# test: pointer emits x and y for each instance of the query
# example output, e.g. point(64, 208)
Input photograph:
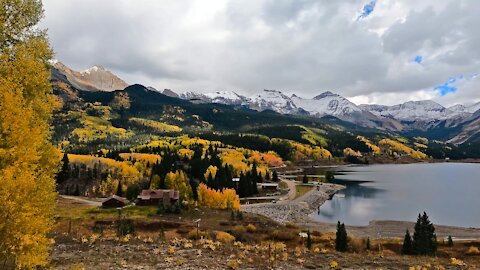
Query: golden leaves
point(222, 199)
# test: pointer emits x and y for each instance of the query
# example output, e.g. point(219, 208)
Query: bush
point(251, 228)
point(472, 250)
point(283, 235)
point(224, 223)
point(125, 227)
point(194, 235)
point(183, 230)
point(357, 245)
point(291, 225)
point(224, 237)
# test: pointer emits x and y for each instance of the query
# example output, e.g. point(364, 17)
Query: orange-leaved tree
point(218, 199)
point(28, 160)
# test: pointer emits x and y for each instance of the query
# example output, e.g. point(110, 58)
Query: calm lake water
point(448, 192)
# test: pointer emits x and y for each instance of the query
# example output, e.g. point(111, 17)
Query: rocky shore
point(297, 210)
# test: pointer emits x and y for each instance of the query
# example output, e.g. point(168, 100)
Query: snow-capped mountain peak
point(273, 100)
point(326, 103)
point(425, 110)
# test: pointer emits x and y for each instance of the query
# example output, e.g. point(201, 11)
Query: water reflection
point(400, 192)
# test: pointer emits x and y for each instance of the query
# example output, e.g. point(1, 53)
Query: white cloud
point(302, 46)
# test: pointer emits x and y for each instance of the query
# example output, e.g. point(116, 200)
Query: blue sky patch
point(445, 89)
point(367, 9)
point(418, 59)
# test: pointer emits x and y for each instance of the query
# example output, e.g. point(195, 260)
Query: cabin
point(158, 196)
point(114, 202)
point(268, 186)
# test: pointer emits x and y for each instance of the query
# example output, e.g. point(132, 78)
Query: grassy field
point(302, 189)
point(86, 238)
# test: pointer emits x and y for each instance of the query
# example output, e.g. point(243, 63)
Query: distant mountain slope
point(228, 109)
point(95, 78)
point(470, 130)
point(425, 110)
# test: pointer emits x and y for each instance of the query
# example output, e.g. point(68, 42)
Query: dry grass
point(472, 250)
point(302, 189)
point(224, 237)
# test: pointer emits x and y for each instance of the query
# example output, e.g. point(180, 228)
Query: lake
point(448, 192)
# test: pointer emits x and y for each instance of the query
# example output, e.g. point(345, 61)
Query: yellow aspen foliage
point(234, 158)
point(150, 158)
point(350, 152)
point(210, 170)
point(179, 181)
point(375, 149)
point(395, 146)
point(108, 187)
point(185, 153)
point(218, 199)
point(28, 160)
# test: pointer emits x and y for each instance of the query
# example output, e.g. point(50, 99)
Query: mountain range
point(457, 124)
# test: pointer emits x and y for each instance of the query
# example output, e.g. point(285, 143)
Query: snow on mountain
point(425, 110)
point(473, 108)
point(326, 103)
point(273, 100)
point(221, 97)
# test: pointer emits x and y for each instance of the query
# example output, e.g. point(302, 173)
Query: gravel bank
point(295, 211)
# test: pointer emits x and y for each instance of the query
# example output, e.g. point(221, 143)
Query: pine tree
point(64, 172)
point(309, 240)
point(119, 189)
point(275, 176)
point(28, 160)
point(424, 237)
point(450, 241)
point(368, 243)
point(407, 248)
point(341, 238)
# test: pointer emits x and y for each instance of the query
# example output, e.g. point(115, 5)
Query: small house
point(158, 196)
point(269, 186)
point(114, 202)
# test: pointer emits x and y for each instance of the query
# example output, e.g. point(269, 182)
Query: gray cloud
point(297, 46)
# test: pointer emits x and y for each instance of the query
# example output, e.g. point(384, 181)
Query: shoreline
point(298, 211)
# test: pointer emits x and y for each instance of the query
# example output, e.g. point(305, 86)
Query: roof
point(268, 184)
point(117, 198)
point(148, 194)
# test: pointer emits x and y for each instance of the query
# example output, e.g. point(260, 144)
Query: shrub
point(183, 230)
point(224, 237)
point(357, 244)
point(232, 264)
point(194, 235)
point(472, 250)
point(251, 228)
point(224, 223)
point(283, 235)
point(125, 227)
point(291, 225)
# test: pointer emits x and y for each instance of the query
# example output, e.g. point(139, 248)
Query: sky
point(374, 51)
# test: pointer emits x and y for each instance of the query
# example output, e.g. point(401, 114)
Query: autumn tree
point(179, 181)
point(28, 161)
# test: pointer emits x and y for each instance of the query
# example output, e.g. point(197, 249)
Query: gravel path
point(295, 210)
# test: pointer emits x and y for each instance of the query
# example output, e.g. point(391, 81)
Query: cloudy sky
point(384, 51)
